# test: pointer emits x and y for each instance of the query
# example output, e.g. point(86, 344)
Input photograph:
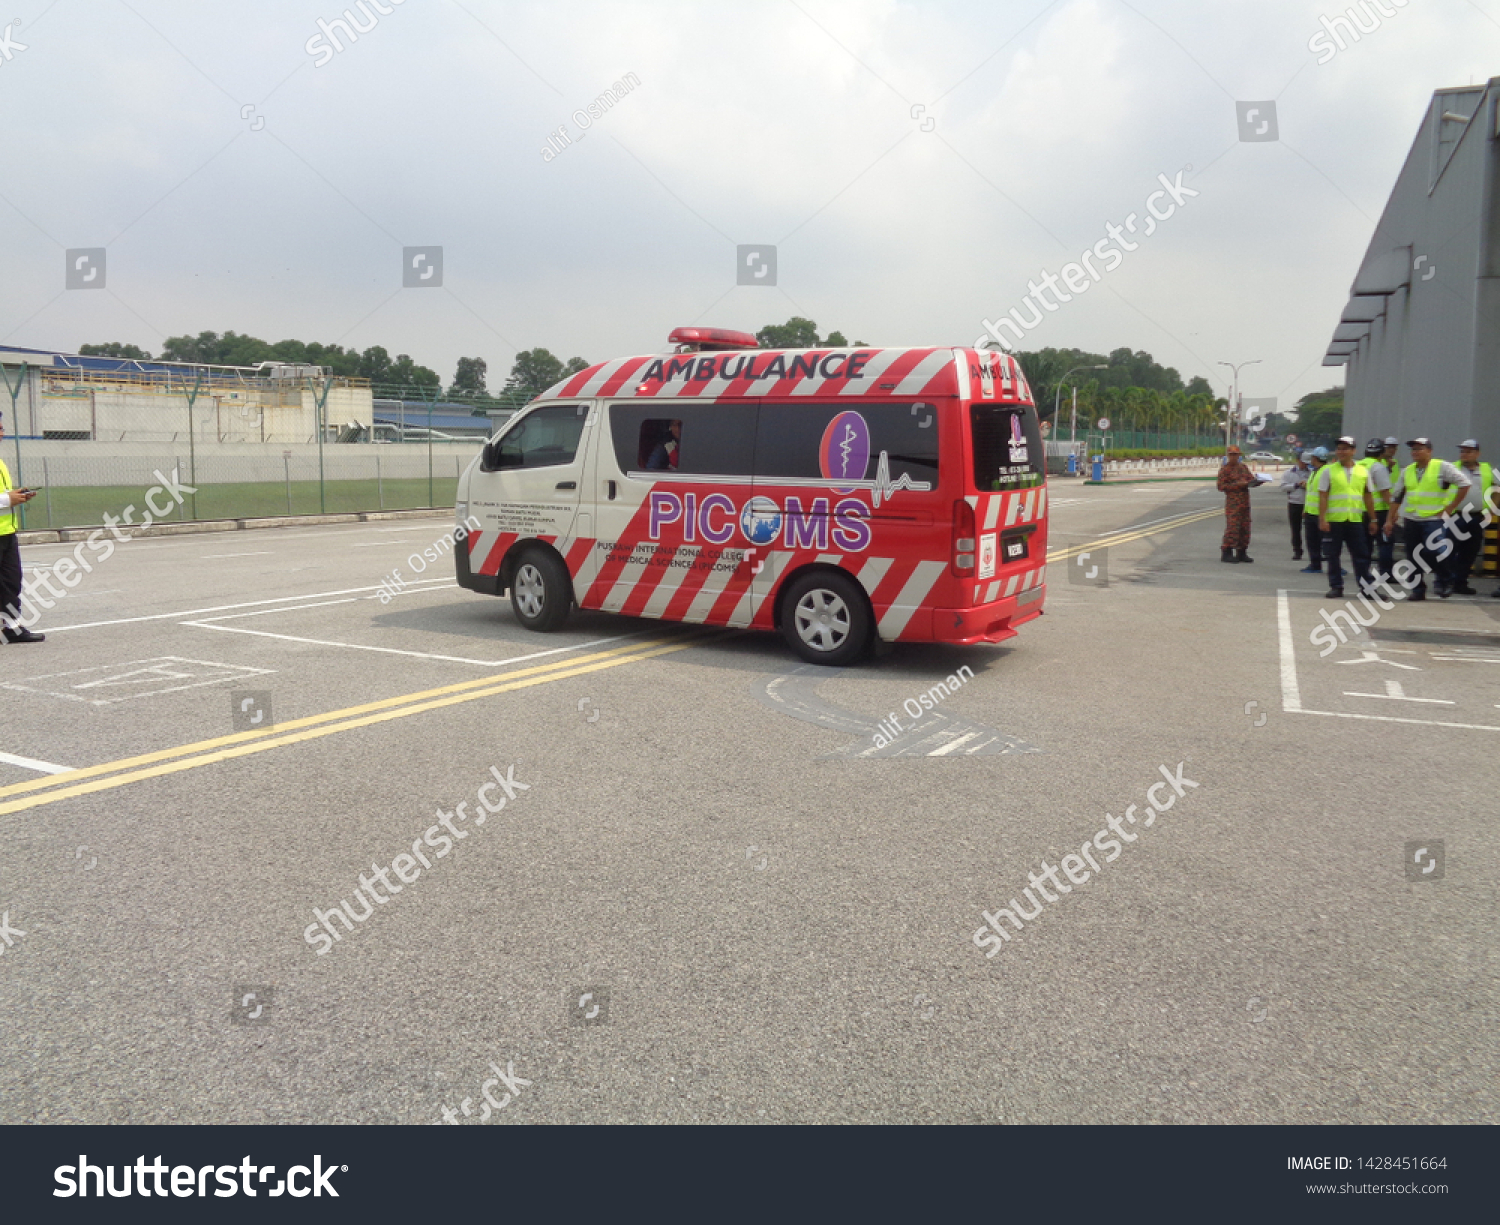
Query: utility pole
point(1057, 399)
point(1231, 414)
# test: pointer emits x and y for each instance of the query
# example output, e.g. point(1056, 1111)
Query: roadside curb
point(1148, 480)
point(66, 535)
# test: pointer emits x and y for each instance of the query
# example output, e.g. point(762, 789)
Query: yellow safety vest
point(1424, 498)
point(1310, 507)
point(1382, 501)
point(7, 513)
point(1346, 493)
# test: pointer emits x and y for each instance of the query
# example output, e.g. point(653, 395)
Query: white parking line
point(31, 763)
point(194, 612)
point(359, 646)
point(1291, 695)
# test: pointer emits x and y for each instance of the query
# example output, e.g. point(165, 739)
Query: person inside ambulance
point(665, 455)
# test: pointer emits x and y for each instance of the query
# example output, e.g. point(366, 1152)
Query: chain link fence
point(78, 483)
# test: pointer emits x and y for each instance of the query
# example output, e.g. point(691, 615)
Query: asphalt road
point(769, 922)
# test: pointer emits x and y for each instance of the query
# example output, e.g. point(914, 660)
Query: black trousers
point(1465, 552)
point(1294, 516)
point(1314, 537)
point(10, 577)
point(1356, 536)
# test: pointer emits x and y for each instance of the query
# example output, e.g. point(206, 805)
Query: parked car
point(1268, 457)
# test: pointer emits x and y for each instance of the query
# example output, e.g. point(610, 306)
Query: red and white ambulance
point(838, 495)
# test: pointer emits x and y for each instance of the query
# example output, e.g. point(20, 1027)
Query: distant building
point(1421, 333)
point(69, 397)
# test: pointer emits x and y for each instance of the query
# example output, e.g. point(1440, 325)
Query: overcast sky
point(914, 164)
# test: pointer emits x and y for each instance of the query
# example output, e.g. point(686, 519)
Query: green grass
point(83, 505)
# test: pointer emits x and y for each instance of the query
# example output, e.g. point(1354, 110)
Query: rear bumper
point(993, 622)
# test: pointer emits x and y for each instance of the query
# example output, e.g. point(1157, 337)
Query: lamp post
point(1234, 397)
point(1057, 400)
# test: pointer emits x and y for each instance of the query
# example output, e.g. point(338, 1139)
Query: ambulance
point(843, 497)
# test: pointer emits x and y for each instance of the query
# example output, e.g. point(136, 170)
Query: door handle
point(611, 487)
point(567, 484)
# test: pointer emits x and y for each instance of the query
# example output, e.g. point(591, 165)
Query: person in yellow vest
point(10, 556)
point(1421, 497)
point(1468, 529)
point(1346, 516)
point(1380, 482)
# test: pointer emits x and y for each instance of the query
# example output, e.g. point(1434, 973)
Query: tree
point(114, 349)
point(534, 371)
point(795, 333)
point(1321, 414)
point(406, 373)
point(469, 378)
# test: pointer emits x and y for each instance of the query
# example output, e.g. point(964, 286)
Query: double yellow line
point(1125, 537)
point(128, 770)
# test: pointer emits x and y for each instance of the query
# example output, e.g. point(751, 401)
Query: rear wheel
point(825, 619)
point(541, 591)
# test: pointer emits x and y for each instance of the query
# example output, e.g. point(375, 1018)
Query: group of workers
point(1437, 509)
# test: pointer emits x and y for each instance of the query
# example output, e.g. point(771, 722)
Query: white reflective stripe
point(831, 559)
point(992, 513)
point(921, 374)
point(871, 372)
point(961, 365)
point(671, 580)
point(1010, 585)
point(993, 592)
point(900, 613)
point(1026, 506)
point(625, 584)
point(1007, 376)
point(708, 594)
point(873, 571)
point(477, 555)
point(1015, 509)
point(809, 384)
point(1041, 503)
point(606, 372)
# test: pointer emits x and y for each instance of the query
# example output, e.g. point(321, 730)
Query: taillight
point(963, 539)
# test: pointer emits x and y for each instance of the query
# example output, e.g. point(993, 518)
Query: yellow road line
point(1125, 537)
point(73, 776)
point(70, 784)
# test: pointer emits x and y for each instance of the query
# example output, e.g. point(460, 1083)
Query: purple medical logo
point(844, 453)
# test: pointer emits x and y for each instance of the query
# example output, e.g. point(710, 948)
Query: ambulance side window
point(545, 438)
point(795, 439)
point(713, 439)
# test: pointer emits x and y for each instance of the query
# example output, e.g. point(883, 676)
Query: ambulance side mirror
point(489, 458)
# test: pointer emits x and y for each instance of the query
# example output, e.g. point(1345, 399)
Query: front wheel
point(541, 591)
point(826, 620)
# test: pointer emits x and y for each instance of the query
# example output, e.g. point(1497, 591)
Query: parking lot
point(709, 894)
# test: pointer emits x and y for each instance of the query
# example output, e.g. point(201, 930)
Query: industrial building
point(69, 397)
point(1420, 336)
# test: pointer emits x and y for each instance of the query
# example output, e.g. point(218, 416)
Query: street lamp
point(1057, 400)
point(1234, 397)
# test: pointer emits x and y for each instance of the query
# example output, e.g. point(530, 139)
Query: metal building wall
point(1431, 363)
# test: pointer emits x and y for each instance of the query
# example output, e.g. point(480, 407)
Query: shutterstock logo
point(188, 1182)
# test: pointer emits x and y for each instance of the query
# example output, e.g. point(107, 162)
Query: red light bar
point(713, 338)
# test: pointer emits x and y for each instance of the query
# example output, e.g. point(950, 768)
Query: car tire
point(826, 619)
point(541, 592)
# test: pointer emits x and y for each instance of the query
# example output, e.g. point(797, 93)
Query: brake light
point(963, 538)
point(713, 338)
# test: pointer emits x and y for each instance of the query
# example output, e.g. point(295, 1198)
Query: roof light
point(713, 338)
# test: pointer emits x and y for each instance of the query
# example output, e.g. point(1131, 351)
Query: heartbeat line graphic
point(884, 487)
